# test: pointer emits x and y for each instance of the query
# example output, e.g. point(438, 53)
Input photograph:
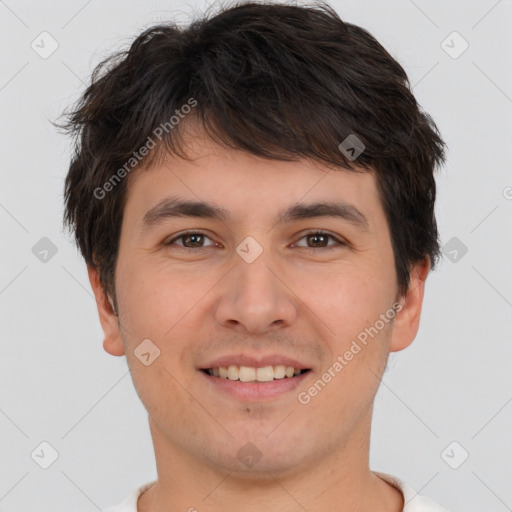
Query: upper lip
point(255, 361)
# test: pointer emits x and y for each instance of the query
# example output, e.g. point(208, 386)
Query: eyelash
point(338, 244)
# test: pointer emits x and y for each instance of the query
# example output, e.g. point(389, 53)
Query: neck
point(339, 479)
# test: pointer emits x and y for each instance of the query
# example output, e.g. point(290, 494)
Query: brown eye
point(320, 240)
point(191, 240)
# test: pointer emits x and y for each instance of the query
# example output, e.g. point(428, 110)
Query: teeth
point(279, 371)
point(232, 372)
point(265, 374)
point(250, 374)
point(246, 374)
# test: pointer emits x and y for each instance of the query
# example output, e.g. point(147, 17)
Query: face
point(254, 287)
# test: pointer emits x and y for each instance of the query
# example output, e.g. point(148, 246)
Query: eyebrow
point(174, 207)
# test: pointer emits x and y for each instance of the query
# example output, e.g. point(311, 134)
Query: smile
point(255, 384)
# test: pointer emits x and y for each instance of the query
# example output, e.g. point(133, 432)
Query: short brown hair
point(279, 81)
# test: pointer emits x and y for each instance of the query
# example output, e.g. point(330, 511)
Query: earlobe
point(112, 342)
point(407, 320)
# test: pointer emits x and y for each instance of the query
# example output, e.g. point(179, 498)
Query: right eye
point(190, 237)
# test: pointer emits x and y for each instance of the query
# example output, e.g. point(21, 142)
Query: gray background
point(452, 384)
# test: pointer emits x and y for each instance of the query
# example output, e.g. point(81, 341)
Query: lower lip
point(256, 390)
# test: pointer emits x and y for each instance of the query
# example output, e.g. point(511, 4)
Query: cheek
point(349, 305)
point(156, 299)
point(348, 300)
point(157, 303)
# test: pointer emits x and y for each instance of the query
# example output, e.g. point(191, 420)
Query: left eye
point(321, 237)
point(193, 240)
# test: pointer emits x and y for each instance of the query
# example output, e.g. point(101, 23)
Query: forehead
point(244, 185)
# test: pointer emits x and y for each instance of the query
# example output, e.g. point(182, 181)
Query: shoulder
point(413, 502)
point(129, 504)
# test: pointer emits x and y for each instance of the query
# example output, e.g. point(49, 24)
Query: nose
point(255, 298)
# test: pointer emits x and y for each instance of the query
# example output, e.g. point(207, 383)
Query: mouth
point(254, 383)
point(252, 374)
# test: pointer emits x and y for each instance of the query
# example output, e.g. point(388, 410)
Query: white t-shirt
point(413, 502)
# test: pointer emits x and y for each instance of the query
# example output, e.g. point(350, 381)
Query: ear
point(407, 320)
point(112, 342)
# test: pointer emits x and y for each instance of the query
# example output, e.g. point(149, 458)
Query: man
point(254, 199)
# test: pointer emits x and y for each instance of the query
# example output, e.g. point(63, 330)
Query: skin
point(305, 303)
